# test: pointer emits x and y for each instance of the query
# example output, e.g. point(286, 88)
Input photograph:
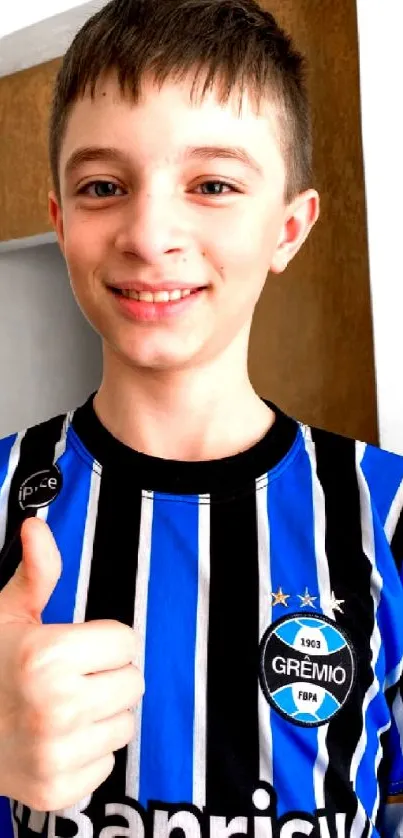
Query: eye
point(104, 189)
point(219, 184)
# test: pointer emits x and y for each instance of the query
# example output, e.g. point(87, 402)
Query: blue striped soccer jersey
point(267, 592)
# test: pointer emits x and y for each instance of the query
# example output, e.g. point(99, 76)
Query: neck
point(196, 414)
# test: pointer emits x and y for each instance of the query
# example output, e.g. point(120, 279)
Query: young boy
point(247, 567)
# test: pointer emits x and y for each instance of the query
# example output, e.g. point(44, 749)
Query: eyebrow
point(108, 154)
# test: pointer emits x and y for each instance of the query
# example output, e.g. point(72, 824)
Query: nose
point(152, 224)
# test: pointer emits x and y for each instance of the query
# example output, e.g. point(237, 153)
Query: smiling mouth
point(158, 296)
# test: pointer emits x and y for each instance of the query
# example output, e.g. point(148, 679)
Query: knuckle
point(29, 652)
point(125, 730)
point(39, 765)
point(139, 685)
point(46, 720)
point(38, 665)
point(60, 718)
point(47, 763)
point(35, 722)
point(46, 797)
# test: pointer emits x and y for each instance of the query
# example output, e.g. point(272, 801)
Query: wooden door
point(312, 346)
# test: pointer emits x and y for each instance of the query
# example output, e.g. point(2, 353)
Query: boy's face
point(159, 219)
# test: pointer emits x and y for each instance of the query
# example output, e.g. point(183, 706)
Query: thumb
point(27, 593)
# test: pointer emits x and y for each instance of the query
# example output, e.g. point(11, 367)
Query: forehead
point(166, 119)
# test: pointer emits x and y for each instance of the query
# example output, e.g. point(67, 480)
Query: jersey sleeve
point(384, 474)
point(8, 453)
point(393, 814)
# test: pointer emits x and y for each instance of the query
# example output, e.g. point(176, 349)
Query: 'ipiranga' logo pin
point(41, 488)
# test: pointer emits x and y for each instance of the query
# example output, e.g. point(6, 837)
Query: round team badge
point(307, 668)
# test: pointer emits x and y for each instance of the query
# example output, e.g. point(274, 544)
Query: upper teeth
point(158, 297)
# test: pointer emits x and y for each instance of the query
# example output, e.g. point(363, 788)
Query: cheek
point(248, 239)
point(82, 252)
point(244, 261)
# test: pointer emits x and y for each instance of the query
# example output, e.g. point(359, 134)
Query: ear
point(300, 216)
point(56, 218)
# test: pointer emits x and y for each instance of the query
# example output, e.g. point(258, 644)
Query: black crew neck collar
point(223, 476)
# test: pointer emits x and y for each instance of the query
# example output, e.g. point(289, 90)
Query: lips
point(159, 297)
point(164, 292)
point(146, 307)
point(154, 288)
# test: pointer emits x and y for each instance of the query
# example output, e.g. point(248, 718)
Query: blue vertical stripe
point(5, 451)
point(6, 827)
point(384, 473)
point(293, 569)
point(166, 760)
point(395, 781)
point(66, 518)
point(390, 622)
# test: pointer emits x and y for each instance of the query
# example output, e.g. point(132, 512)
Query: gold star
point(280, 599)
point(307, 599)
point(336, 603)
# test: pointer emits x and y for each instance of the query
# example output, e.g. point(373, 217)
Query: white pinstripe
point(140, 621)
point(200, 712)
point(265, 618)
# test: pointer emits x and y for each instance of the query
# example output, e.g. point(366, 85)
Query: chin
point(159, 365)
point(158, 360)
point(142, 349)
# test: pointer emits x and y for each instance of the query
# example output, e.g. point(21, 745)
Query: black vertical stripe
point(396, 545)
point(350, 573)
point(111, 594)
point(232, 683)
point(37, 453)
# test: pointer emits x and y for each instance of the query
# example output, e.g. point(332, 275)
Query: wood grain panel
point(312, 343)
point(25, 180)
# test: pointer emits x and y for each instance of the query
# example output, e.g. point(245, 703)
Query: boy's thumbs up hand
point(66, 691)
point(29, 590)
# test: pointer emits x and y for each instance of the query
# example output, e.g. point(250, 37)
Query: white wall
point(28, 36)
point(18, 15)
point(380, 30)
point(50, 358)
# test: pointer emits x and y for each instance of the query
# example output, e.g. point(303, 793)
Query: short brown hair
point(236, 44)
